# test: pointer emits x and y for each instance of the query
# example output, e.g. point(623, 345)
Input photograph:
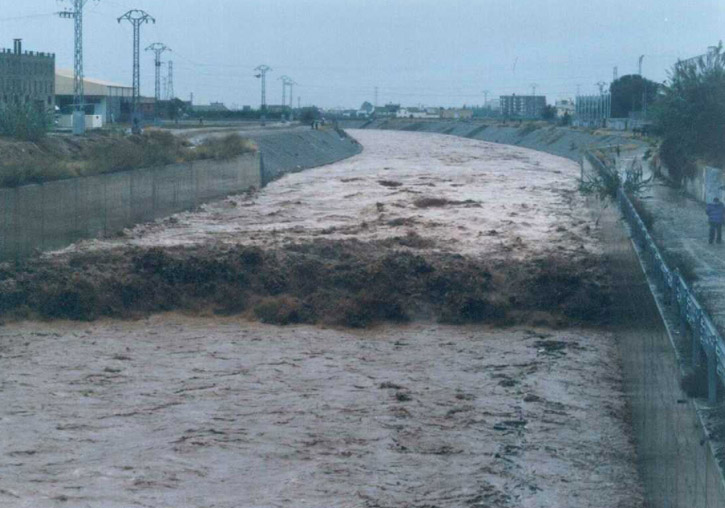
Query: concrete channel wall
point(676, 446)
point(677, 449)
point(568, 143)
point(56, 214)
point(302, 148)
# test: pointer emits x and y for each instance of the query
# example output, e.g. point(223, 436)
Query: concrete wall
point(706, 184)
point(677, 457)
point(56, 214)
point(302, 148)
point(559, 141)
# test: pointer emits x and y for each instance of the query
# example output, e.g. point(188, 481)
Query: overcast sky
point(431, 52)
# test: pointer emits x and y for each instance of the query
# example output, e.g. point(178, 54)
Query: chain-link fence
point(657, 321)
point(56, 214)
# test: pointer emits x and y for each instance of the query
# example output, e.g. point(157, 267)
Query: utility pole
point(533, 102)
point(485, 98)
point(136, 18)
point(170, 94)
point(285, 82)
point(644, 91)
point(615, 74)
point(291, 83)
point(263, 70)
point(79, 115)
point(376, 97)
point(600, 106)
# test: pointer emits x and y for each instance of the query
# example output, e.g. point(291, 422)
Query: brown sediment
point(341, 282)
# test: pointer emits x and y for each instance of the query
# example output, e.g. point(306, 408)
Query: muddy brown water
point(180, 410)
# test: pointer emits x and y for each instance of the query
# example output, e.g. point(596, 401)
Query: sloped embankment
point(560, 141)
point(298, 149)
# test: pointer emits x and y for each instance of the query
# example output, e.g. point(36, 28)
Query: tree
point(24, 121)
point(308, 114)
point(689, 114)
point(548, 113)
point(628, 92)
point(175, 108)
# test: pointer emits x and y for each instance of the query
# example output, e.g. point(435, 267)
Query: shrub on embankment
point(689, 114)
point(62, 157)
point(346, 283)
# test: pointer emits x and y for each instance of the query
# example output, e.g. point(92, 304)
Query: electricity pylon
point(136, 18)
point(263, 70)
point(79, 116)
point(158, 49)
point(170, 94)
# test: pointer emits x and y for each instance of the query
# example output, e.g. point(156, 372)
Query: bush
point(678, 157)
point(225, 148)
point(689, 114)
point(24, 121)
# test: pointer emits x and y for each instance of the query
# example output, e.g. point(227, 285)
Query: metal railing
point(693, 319)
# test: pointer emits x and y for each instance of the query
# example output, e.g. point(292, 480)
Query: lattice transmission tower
point(76, 14)
point(262, 74)
point(170, 94)
point(158, 49)
point(137, 18)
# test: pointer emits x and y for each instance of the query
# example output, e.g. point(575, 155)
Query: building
point(112, 102)
point(411, 113)
point(593, 110)
point(27, 77)
point(219, 107)
point(456, 114)
point(564, 107)
point(522, 106)
point(387, 111)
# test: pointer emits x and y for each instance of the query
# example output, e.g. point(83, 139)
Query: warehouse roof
point(91, 86)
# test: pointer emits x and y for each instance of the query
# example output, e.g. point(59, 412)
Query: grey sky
point(432, 52)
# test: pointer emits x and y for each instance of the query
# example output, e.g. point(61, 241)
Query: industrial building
point(102, 98)
point(110, 102)
point(27, 77)
point(522, 106)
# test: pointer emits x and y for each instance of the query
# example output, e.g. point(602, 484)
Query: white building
point(104, 99)
point(565, 106)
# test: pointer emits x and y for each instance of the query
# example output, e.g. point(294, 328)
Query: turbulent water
point(502, 200)
point(194, 411)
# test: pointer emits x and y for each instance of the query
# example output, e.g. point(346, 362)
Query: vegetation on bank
point(24, 122)
point(689, 114)
point(62, 157)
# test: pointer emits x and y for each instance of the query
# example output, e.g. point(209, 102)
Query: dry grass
point(63, 157)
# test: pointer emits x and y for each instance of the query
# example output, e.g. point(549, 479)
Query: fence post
point(712, 375)
point(262, 178)
point(696, 341)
